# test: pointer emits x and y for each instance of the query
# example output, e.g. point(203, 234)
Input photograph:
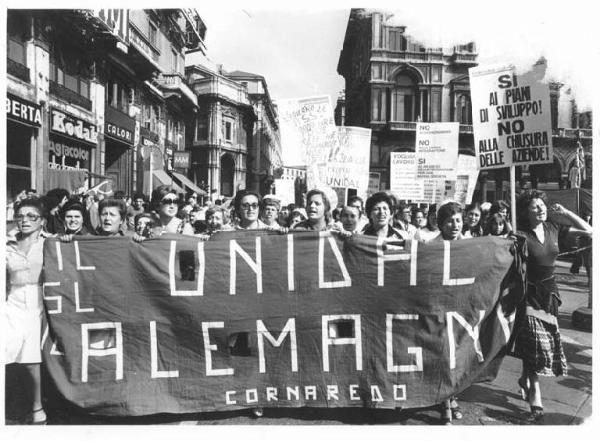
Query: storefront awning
point(164, 179)
point(189, 184)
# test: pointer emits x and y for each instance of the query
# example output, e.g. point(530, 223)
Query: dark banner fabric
point(178, 325)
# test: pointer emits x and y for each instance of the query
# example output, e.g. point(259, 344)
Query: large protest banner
point(180, 325)
point(403, 176)
point(511, 116)
point(348, 163)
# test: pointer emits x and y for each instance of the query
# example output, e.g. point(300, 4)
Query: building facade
point(393, 81)
point(220, 134)
point(88, 89)
point(264, 158)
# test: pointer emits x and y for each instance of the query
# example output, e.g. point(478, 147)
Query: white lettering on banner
point(417, 351)
point(473, 332)
point(332, 392)
point(78, 260)
point(23, 111)
point(155, 373)
point(255, 266)
point(397, 388)
point(59, 260)
point(310, 392)
point(329, 392)
point(338, 257)
point(228, 399)
point(57, 299)
point(73, 126)
point(327, 341)
point(382, 258)
point(290, 261)
point(78, 307)
point(209, 348)
point(262, 331)
point(272, 394)
point(199, 274)
point(87, 351)
point(446, 277)
point(251, 396)
point(504, 321)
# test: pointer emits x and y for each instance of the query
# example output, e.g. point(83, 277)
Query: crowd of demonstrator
point(63, 215)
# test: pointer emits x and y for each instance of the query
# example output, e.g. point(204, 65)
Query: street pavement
point(567, 400)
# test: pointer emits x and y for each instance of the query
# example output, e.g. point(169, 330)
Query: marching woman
point(379, 209)
point(165, 204)
point(431, 229)
point(472, 225)
point(537, 339)
point(450, 224)
point(246, 206)
point(497, 225)
point(23, 312)
point(318, 210)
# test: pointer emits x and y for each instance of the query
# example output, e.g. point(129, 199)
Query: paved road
point(567, 400)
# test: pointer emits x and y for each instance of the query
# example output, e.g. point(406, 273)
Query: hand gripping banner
point(178, 325)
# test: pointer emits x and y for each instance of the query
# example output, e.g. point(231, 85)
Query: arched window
point(404, 99)
point(463, 110)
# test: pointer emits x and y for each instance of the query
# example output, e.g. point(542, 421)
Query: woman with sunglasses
point(24, 308)
point(247, 208)
point(165, 203)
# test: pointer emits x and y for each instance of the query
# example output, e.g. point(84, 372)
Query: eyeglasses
point(30, 217)
point(252, 206)
point(168, 201)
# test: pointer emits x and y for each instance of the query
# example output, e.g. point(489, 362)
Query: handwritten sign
point(403, 176)
point(511, 117)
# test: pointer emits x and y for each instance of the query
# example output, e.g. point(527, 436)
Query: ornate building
point(393, 81)
point(98, 85)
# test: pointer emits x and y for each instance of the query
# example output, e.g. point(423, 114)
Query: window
point(152, 34)
point(16, 51)
point(174, 61)
point(397, 41)
point(436, 106)
point(404, 99)
point(67, 77)
point(463, 111)
point(378, 105)
point(376, 69)
point(436, 74)
point(227, 130)
point(117, 95)
point(201, 128)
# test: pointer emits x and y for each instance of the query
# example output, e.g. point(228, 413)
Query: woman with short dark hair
point(537, 342)
point(165, 204)
point(379, 209)
point(246, 206)
point(74, 217)
point(112, 214)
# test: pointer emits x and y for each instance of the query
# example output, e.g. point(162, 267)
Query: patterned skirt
point(538, 344)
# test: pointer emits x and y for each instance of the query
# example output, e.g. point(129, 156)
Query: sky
point(297, 48)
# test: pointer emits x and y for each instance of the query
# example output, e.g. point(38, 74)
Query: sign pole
point(513, 198)
point(151, 172)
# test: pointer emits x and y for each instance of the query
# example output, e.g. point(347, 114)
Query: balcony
point(18, 70)
point(173, 84)
point(572, 133)
point(464, 58)
point(407, 56)
point(223, 88)
point(72, 97)
point(402, 126)
point(465, 128)
point(145, 56)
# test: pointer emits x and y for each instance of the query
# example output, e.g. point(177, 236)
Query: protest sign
point(348, 163)
point(179, 325)
point(374, 182)
point(511, 116)
point(285, 191)
point(467, 173)
point(436, 148)
point(308, 134)
point(403, 176)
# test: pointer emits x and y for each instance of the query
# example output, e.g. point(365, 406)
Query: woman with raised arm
point(24, 308)
point(537, 339)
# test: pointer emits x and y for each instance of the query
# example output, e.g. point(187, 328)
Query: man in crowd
point(136, 207)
